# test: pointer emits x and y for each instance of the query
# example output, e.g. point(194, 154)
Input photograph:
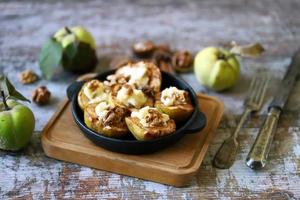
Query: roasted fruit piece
point(106, 120)
point(92, 91)
point(148, 123)
point(127, 96)
point(143, 75)
point(175, 103)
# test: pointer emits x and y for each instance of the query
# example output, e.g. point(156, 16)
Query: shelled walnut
point(182, 61)
point(162, 58)
point(143, 49)
point(41, 95)
point(27, 77)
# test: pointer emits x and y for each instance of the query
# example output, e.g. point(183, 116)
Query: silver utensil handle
point(258, 154)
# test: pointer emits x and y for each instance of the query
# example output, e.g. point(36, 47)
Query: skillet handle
point(73, 88)
point(198, 123)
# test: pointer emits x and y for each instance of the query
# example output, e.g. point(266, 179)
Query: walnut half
point(41, 95)
point(27, 77)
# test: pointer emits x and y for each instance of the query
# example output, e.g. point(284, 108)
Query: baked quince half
point(148, 123)
point(106, 119)
point(143, 75)
point(128, 96)
point(175, 103)
point(93, 91)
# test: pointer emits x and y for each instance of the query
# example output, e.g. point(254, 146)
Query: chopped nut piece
point(182, 61)
point(27, 77)
point(115, 79)
point(150, 117)
point(110, 115)
point(41, 95)
point(115, 116)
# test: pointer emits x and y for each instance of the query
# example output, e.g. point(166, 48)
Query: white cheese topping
point(94, 90)
point(130, 96)
point(172, 96)
point(101, 109)
point(144, 113)
point(137, 74)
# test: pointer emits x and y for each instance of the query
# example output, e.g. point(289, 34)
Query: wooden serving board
point(175, 165)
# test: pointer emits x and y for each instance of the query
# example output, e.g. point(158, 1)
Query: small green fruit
point(66, 36)
point(78, 49)
point(216, 68)
point(16, 126)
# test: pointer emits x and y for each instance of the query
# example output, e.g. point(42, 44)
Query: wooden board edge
point(158, 175)
point(53, 119)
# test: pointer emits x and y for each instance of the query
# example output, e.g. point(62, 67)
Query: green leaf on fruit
point(50, 57)
point(71, 50)
point(250, 50)
point(9, 90)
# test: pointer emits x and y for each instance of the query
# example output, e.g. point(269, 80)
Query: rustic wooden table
point(188, 24)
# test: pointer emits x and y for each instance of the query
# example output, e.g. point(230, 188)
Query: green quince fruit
point(16, 126)
point(79, 49)
point(74, 49)
point(216, 68)
point(67, 36)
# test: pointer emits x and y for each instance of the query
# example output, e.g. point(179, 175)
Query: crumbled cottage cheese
point(137, 74)
point(102, 109)
point(95, 91)
point(131, 96)
point(172, 96)
point(150, 117)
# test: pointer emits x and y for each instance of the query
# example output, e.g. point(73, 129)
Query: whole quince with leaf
point(74, 49)
point(219, 68)
point(16, 120)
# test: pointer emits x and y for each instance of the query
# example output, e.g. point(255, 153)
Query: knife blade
point(287, 83)
point(257, 157)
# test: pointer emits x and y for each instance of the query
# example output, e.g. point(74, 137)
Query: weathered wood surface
point(184, 24)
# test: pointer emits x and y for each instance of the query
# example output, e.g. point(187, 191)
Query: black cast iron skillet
point(130, 145)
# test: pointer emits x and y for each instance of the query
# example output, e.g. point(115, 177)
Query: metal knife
point(257, 157)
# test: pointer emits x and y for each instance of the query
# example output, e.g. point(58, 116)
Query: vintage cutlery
point(225, 156)
point(258, 154)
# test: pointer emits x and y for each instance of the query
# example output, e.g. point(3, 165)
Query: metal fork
point(225, 156)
